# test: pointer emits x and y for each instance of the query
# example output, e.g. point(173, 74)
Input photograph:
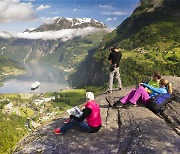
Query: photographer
point(114, 59)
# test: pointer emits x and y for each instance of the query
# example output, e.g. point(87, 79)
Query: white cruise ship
point(35, 85)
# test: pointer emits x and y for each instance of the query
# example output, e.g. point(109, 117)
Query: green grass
point(12, 130)
point(13, 126)
point(26, 112)
point(9, 95)
point(68, 98)
point(75, 92)
point(62, 105)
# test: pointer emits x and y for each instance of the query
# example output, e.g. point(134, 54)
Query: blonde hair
point(167, 85)
point(169, 88)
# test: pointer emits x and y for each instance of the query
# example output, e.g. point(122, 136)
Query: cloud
point(64, 34)
point(42, 7)
point(106, 6)
point(120, 13)
point(111, 19)
point(14, 10)
point(5, 35)
point(75, 10)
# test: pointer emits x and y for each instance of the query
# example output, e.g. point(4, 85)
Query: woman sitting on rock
point(91, 113)
point(154, 81)
point(141, 92)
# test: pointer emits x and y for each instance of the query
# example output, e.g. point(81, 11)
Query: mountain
point(149, 40)
point(65, 43)
point(69, 23)
point(9, 67)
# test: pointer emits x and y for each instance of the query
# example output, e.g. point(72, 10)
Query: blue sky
point(18, 15)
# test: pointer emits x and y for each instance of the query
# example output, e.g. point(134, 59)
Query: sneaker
point(66, 121)
point(120, 105)
point(109, 91)
point(133, 105)
point(116, 103)
point(57, 131)
point(110, 101)
point(129, 105)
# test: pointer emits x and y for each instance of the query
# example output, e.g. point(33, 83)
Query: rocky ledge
point(125, 130)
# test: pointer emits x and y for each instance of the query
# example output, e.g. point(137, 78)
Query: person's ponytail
point(169, 88)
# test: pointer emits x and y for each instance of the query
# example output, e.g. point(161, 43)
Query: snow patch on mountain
point(60, 28)
point(60, 23)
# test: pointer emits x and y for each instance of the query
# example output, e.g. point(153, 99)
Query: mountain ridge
point(53, 45)
point(148, 40)
point(68, 23)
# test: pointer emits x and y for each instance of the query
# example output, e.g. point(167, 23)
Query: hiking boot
point(110, 101)
point(57, 131)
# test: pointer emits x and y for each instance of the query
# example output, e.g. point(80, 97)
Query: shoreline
point(5, 76)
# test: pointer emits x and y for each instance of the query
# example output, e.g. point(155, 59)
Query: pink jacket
point(94, 119)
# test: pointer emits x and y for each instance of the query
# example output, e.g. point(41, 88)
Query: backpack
point(156, 103)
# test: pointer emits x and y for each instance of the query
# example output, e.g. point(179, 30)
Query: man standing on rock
point(114, 59)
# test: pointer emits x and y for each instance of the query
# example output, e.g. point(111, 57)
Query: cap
point(90, 96)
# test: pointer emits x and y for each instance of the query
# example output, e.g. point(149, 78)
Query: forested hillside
point(149, 40)
point(64, 43)
point(9, 67)
point(64, 54)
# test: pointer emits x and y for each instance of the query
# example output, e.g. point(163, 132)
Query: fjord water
point(51, 80)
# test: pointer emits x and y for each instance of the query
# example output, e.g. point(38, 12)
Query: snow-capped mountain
point(68, 23)
point(64, 43)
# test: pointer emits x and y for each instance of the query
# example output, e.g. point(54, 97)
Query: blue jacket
point(155, 91)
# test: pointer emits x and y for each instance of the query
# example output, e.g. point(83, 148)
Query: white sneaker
point(109, 91)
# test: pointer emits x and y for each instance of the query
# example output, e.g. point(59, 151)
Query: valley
point(28, 111)
point(72, 53)
point(51, 79)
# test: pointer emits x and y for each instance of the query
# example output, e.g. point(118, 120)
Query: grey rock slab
point(128, 130)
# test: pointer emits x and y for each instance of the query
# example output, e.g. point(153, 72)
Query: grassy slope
point(150, 41)
point(9, 67)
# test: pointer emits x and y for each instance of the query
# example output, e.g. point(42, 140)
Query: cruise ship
point(35, 85)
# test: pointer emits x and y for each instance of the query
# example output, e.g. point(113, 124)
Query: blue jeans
point(73, 122)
